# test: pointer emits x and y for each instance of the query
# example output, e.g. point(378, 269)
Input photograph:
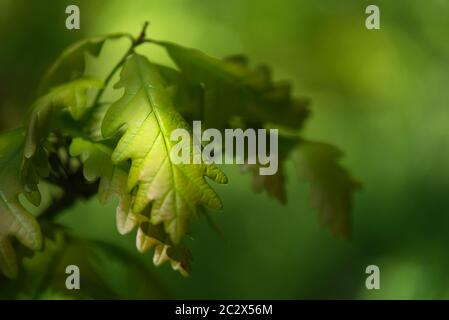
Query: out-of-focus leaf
point(173, 191)
point(233, 89)
point(93, 124)
point(71, 97)
point(151, 288)
point(274, 184)
point(46, 272)
point(44, 118)
point(331, 186)
point(188, 97)
point(96, 158)
point(70, 65)
point(15, 221)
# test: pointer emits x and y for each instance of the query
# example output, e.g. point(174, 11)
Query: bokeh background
point(382, 96)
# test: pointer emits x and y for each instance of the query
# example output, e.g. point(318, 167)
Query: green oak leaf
point(47, 270)
point(15, 221)
point(174, 191)
point(71, 64)
point(188, 97)
point(96, 158)
point(149, 236)
point(331, 185)
point(274, 184)
point(98, 164)
point(233, 89)
point(44, 118)
point(71, 97)
point(92, 126)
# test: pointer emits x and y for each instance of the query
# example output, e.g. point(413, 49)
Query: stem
point(67, 201)
point(135, 42)
point(74, 185)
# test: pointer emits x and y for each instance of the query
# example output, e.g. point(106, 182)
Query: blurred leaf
point(96, 158)
point(331, 185)
point(233, 89)
point(15, 221)
point(44, 118)
point(46, 272)
point(151, 288)
point(71, 97)
point(70, 65)
point(188, 97)
point(93, 123)
point(274, 184)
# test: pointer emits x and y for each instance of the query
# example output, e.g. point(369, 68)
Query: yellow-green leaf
point(71, 97)
point(174, 191)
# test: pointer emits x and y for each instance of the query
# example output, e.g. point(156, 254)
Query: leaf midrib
point(160, 125)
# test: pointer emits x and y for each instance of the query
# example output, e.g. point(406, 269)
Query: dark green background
point(382, 96)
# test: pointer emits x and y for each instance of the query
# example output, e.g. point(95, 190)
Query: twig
point(135, 42)
point(74, 184)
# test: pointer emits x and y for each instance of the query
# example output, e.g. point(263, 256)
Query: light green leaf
point(96, 158)
point(45, 117)
point(174, 192)
point(71, 97)
point(15, 221)
point(70, 65)
point(331, 185)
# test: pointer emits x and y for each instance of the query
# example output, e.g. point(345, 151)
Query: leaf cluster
point(72, 140)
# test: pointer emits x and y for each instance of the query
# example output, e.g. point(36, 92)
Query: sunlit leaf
point(96, 158)
point(174, 191)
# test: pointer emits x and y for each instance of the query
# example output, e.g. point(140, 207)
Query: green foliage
point(46, 111)
point(173, 191)
point(44, 276)
point(45, 118)
point(96, 158)
point(71, 64)
point(122, 150)
point(97, 161)
point(15, 221)
point(232, 89)
point(331, 185)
